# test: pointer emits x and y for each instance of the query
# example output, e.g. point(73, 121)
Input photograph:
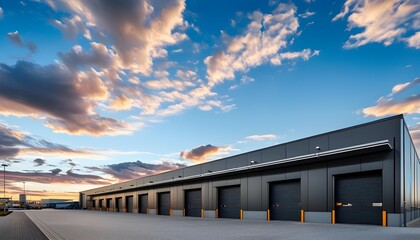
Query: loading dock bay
point(364, 174)
point(357, 196)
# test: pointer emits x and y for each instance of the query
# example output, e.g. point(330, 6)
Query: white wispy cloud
point(265, 36)
point(381, 21)
point(306, 14)
point(262, 137)
point(305, 55)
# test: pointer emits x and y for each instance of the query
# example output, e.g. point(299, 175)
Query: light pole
point(24, 195)
point(4, 186)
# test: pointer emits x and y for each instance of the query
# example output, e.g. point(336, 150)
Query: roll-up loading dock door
point(118, 204)
point(229, 202)
point(108, 203)
point(129, 203)
point(143, 203)
point(164, 203)
point(193, 203)
point(285, 200)
point(358, 198)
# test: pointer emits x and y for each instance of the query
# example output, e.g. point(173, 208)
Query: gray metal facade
point(383, 146)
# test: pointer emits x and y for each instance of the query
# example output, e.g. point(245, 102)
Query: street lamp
point(24, 195)
point(4, 186)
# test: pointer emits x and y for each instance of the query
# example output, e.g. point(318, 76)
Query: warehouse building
point(365, 174)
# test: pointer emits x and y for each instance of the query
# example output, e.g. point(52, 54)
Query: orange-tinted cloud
point(385, 107)
point(37, 195)
point(391, 105)
point(131, 170)
point(139, 29)
point(120, 103)
point(56, 177)
point(57, 94)
point(14, 143)
point(381, 21)
point(201, 153)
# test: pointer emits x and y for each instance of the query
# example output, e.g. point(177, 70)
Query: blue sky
point(97, 92)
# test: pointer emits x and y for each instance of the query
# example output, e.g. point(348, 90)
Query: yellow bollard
point(268, 215)
point(217, 213)
point(384, 222)
point(202, 213)
point(241, 214)
point(333, 217)
point(302, 216)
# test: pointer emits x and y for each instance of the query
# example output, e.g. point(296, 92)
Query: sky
point(98, 92)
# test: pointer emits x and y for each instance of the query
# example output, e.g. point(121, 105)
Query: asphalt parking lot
point(78, 224)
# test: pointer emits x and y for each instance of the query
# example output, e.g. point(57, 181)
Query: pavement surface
point(415, 223)
point(17, 226)
point(77, 224)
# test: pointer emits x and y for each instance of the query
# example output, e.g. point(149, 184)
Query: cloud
point(305, 54)
point(131, 170)
point(209, 105)
point(414, 40)
point(201, 153)
point(69, 162)
point(10, 142)
point(32, 47)
point(386, 106)
point(16, 39)
point(70, 27)
point(39, 162)
point(15, 143)
point(307, 14)
point(54, 177)
point(165, 83)
point(404, 86)
point(246, 79)
point(139, 30)
point(57, 95)
point(262, 137)
point(55, 171)
point(37, 195)
point(264, 37)
point(382, 21)
point(99, 57)
point(121, 102)
point(391, 105)
point(138, 33)
point(1, 12)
